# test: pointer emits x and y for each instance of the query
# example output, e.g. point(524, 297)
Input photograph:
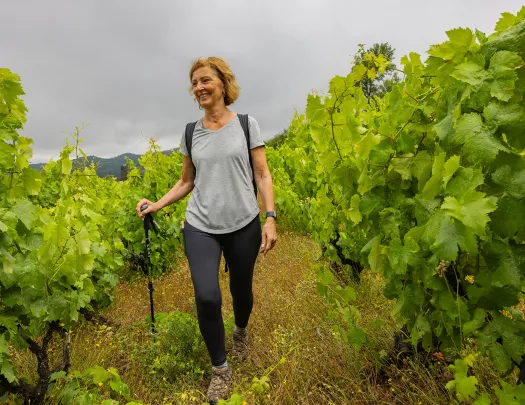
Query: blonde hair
point(224, 72)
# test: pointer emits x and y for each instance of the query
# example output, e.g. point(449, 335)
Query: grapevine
point(424, 186)
point(64, 235)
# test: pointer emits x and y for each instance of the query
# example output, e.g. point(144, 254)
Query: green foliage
point(426, 188)
point(84, 387)
point(91, 386)
point(229, 325)
point(64, 235)
point(59, 258)
point(161, 171)
point(258, 386)
point(465, 386)
point(104, 166)
point(178, 349)
point(235, 399)
point(510, 395)
point(277, 140)
point(343, 312)
point(377, 84)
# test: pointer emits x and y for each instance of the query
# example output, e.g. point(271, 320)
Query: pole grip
point(148, 219)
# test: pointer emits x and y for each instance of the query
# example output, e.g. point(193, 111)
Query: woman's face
point(208, 89)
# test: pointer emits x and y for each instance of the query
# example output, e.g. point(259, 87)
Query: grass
point(291, 339)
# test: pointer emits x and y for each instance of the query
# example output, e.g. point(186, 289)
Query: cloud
point(122, 66)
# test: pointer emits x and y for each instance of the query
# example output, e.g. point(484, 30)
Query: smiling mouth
point(204, 95)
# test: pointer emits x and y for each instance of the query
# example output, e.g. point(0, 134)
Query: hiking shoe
point(220, 384)
point(240, 345)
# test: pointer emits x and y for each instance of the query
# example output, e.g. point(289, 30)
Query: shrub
point(178, 349)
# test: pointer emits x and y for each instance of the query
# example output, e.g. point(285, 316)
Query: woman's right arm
point(180, 190)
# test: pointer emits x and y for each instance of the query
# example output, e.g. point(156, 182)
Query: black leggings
point(203, 251)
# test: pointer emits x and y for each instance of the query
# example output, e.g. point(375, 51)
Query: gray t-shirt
point(223, 199)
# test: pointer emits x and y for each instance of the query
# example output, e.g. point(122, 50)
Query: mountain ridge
point(107, 166)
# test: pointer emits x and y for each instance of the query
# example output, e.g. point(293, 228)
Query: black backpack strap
point(243, 118)
point(188, 135)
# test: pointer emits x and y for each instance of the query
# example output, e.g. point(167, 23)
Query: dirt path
point(275, 279)
point(282, 292)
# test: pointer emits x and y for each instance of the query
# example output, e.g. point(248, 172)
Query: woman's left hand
point(269, 236)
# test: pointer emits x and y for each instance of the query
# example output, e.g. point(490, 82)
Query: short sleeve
point(255, 133)
point(183, 149)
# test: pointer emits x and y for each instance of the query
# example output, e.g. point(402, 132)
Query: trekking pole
point(149, 224)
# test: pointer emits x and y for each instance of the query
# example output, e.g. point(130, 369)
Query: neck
point(216, 113)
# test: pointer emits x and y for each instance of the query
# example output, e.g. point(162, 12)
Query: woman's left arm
point(263, 179)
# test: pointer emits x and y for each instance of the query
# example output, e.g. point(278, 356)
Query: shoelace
point(219, 382)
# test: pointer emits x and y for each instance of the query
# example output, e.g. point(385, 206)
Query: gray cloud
point(123, 65)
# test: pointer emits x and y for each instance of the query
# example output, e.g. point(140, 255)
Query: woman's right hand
point(152, 207)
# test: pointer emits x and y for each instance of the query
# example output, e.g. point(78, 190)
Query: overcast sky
point(122, 66)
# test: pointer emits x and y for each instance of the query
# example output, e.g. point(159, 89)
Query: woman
point(222, 212)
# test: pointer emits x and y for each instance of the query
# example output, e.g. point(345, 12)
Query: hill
point(106, 166)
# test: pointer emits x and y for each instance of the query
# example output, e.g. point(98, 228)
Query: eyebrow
point(203, 77)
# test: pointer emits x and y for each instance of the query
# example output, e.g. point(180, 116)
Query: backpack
point(188, 135)
point(243, 118)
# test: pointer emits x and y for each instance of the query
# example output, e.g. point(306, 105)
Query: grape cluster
point(441, 268)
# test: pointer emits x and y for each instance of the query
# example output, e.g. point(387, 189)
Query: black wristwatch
point(271, 214)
